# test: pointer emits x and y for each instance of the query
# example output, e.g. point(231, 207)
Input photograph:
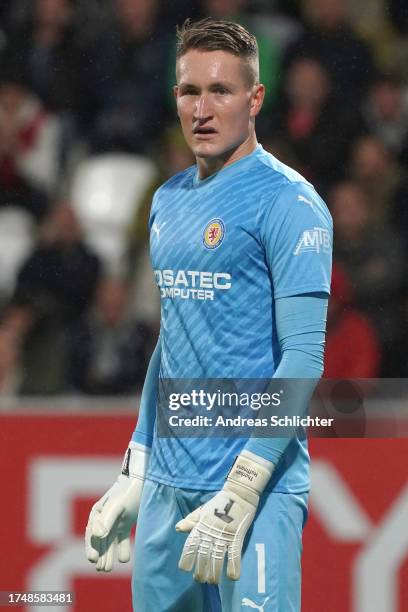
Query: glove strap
point(249, 474)
point(136, 461)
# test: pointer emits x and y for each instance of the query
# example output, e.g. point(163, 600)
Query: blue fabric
point(224, 251)
point(274, 241)
point(300, 324)
point(157, 583)
point(275, 534)
point(143, 433)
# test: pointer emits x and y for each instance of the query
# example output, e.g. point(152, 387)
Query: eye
point(189, 91)
point(222, 91)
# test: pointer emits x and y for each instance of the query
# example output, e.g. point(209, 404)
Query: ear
point(257, 98)
point(175, 94)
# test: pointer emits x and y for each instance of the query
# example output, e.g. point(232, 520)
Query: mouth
point(204, 132)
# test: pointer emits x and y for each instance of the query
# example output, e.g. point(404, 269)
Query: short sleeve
point(297, 234)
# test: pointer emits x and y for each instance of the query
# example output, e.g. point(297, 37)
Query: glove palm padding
point(218, 528)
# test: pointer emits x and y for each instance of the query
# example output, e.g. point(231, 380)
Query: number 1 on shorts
point(260, 553)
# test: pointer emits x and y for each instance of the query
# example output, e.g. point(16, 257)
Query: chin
point(207, 149)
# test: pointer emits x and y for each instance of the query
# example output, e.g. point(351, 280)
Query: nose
point(203, 109)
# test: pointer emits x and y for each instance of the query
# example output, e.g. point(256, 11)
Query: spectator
point(329, 38)
point(110, 349)
point(372, 257)
point(10, 373)
point(372, 20)
point(58, 282)
point(308, 120)
point(16, 322)
point(352, 349)
point(385, 114)
point(47, 54)
point(62, 272)
point(127, 70)
point(29, 145)
point(384, 182)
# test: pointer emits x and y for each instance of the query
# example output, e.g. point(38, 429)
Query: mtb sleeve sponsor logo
point(316, 239)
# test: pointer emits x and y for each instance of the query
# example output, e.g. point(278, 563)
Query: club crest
point(213, 233)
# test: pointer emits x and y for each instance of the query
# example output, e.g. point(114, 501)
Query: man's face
point(215, 102)
point(136, 15)
point(53, 12)
point(350, 211)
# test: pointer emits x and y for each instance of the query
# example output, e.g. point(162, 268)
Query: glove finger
point(110, 556)
point(98, 506)
point(190, 521)
point(203, 562)
point(108, 545)
point(91, 543)
point(105, 520)
point(189, 554)
point(234, 560)
point(92, 555)
point(216, 562)
point(91, 547)
point(123, 547)
point(102, 552)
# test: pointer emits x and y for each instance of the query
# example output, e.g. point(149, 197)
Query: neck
point(210, 165)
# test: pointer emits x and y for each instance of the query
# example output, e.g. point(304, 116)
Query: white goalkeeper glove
point(219, 527)
point(112, 517)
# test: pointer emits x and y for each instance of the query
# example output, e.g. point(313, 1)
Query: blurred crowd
point(88, 131)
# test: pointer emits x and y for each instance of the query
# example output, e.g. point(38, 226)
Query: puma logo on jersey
point(251, 604)
point(301, 198)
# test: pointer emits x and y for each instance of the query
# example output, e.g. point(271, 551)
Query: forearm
point(143, 433)
point(301, 323)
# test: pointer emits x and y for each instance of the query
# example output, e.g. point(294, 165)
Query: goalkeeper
point(241, 251)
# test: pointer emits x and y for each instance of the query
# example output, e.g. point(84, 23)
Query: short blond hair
point(218, 35)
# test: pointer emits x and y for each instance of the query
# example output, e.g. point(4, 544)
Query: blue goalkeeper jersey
point(222, 250)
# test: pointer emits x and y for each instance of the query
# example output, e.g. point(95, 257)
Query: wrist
point(136, 461)
point(249, 476)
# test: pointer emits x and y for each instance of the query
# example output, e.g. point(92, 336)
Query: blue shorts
point(270, 570)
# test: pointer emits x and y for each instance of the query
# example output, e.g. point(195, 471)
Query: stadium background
point(87, 132)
